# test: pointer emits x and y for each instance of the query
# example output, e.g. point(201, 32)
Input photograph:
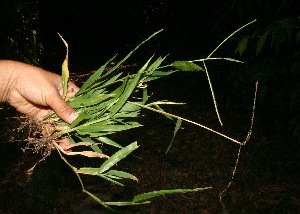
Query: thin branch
point(229, 37)
point(212, 93)
point(189, 121)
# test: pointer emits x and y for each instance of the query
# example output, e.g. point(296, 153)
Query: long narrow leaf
point(130, 53)
point(125, 203)
point(156, 64)
point(95, 76)
point(81, 117)
point(111, 179)
point(149, 195)
point(65, 70)
point(96, 148)
point(160, 108)
point(105, 83)
point(186, 66)
point(85, 102)
point(94, 128)
point(121, 174)
point(125, 95)
point(89, 171)
point(109, 142)
point(262, 41)
point(115, 158)
point(178, 124)
point(156, 75)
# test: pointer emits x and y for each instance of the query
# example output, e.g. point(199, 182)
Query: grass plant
point(110, 101)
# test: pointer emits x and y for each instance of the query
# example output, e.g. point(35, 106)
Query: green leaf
point(111, 180)
point(94, 77)
point(178, 124)
point(128, 107)
point(121, 174)
point(115, 158)
point(85, 102)
point(232, 60)
point(125, 203)
point(126, 114)
point(243, 44)
point(130, 87)
point(161, 109)
point(89, 171)
point(102, 127)
point(118, 92)
point(103, 84)
point(156, 64)
point(113, 79)
point(156, 75)
point(261, 41)
point(110, 176)
point(145, 95)
point(81, 117)
point(149, 195)
point(98, 200)
point(186, 66)
point(96, 149)
point(130, 53)
point(99, 134)
point(109, 142)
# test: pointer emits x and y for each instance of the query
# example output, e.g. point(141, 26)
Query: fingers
point(58, 104)
point(62, 109)
point(72, 90)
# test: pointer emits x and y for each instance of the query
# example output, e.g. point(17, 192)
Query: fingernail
point(73, 116)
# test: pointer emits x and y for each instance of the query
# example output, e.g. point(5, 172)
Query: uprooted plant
point(109, 102)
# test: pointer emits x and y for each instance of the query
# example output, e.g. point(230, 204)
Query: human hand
point(34, 91)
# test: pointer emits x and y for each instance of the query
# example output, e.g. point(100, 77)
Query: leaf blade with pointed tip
point(129, 88)
point(94, 77)
point(65, 70)
point(186, 66)
point(242, 46)
point(125, 203)
point(115, 158)
point(109, 142)
point(178, 124)
point(130, 53)
point(81, 117)
point(121, 174)
point(153, 194)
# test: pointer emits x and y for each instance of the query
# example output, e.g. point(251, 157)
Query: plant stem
point(229, 37)
point(189, 121)
point(212, 93)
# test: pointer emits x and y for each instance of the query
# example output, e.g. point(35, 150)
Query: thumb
point(62, 109)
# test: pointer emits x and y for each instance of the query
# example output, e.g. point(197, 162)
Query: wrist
point(8, 78)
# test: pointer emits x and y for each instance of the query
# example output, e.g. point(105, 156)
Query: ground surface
point(266, 181)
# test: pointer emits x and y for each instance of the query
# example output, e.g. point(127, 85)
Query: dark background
point(97, 30)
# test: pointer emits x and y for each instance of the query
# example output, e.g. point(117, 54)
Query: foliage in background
point(272, 50)
point(277, 48)
point(20, 31)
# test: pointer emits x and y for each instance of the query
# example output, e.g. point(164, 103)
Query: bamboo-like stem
point(189, 121)
point(229, 37)
point(212, 93)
